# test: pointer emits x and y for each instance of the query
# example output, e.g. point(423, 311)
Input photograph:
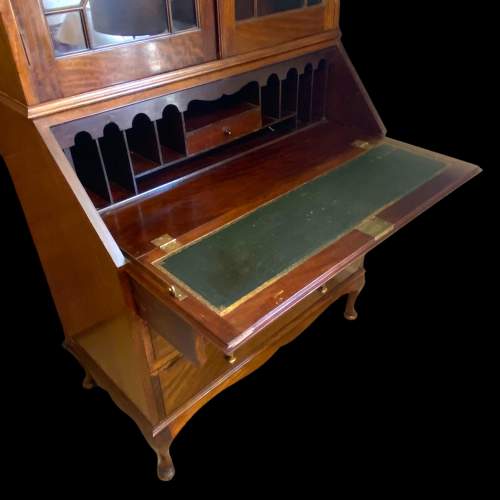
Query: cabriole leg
point(166, 470)
point(88, 381)
point(350, 312)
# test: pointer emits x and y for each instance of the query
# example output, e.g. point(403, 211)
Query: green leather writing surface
point(229, 264)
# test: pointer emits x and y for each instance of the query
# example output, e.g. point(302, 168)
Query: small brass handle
point(230, 358)
point(227, 131)
point(324, 289)
point(176, 293)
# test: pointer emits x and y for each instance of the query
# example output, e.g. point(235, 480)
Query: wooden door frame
point(239, 37)
point(58, 77)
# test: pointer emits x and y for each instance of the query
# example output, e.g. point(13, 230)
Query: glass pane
point(244, 9)
point(314, 2)
point(272, 6)
point(183, 14)
point(101, 39)
point(129, 17)
point(67, 33)
point(60, 4)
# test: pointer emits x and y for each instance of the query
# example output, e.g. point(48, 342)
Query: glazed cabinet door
point(75, 46)
point(248, 25)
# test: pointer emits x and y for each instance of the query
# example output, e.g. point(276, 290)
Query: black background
point(395, 402)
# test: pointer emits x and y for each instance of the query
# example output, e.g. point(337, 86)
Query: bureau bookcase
point(201, 179)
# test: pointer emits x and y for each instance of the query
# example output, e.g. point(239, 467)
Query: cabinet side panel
point(10, 82)
point(115, 347)
point(348, 102)
point(74, 248)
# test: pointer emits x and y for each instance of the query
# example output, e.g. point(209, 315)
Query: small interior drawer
point(235, 122)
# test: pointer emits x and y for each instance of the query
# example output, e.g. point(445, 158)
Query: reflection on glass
point(272, 6)
point(183, 14)
point(102, 40)
point(67, 32)
point(244, 9)
point(60, 4)
point(129, 17)
point(78, 25)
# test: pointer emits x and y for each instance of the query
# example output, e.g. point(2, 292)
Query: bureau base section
point(250, 357)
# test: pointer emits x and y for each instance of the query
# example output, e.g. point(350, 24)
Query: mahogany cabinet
point(199, 192)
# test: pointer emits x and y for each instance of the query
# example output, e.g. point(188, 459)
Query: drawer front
point(183, 380)
point(224, 131)
point(298, 318)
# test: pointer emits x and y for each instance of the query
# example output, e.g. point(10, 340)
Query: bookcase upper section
point(55, 49)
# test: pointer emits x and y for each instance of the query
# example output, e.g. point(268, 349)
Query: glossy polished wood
point(186, 123)
point(36, 107)
point(285, 165)
point(162, 358)
point(10, 82)
point(243, 322)
point(184, 383)
point(186, 387)
point(239, 37)
point(225, 130)
point(73, 74)
point(16, 80)
point(123, 94)
point(81, 261)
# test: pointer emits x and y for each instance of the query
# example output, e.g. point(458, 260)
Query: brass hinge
point(167, 243)
point(375, 227)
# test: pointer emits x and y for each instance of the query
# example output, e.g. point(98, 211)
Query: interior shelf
point(146, 145)
point(268, 134)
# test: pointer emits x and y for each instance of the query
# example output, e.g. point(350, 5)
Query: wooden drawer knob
point(227, 131)
point(324, 289)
